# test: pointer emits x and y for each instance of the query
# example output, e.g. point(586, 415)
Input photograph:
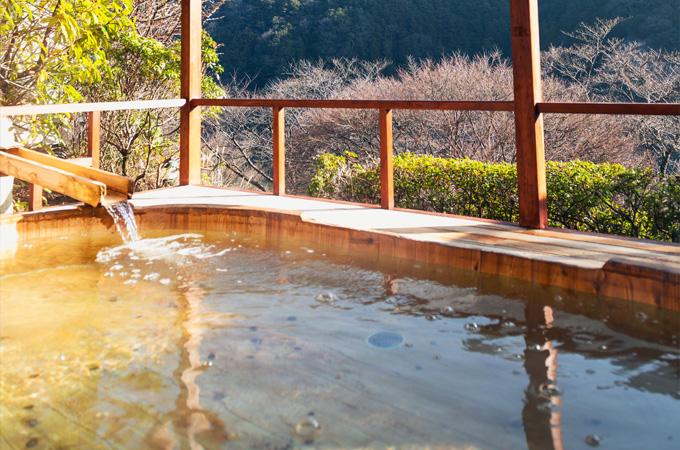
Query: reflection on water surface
point(228, 341)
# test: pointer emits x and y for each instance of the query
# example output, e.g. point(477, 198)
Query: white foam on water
point(178, 249)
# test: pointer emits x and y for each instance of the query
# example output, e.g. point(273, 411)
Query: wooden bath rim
point(620, 277)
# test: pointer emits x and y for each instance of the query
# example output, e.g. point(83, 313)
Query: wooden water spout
point(91, 186)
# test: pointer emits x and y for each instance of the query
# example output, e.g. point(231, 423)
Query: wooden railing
point(93, 111)
point(527, 106)
point(385, 107)
point(278, 106)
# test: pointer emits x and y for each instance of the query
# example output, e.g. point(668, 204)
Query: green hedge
point(603, 198)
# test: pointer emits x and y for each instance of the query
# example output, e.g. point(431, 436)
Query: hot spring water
point(234, 341)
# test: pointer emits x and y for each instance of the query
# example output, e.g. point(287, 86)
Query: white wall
point(6, 183)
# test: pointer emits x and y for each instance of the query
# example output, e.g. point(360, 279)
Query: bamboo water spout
point(91, 186)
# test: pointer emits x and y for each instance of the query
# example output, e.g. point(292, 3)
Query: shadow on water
point(188, 426)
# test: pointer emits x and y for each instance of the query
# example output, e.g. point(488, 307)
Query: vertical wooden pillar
point(279, 151)
point(526, 65)
point(93, 130)
point(386, 169)
point(190, 88)
point(34, 197)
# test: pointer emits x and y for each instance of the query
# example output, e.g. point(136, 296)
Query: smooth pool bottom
point(228, 341)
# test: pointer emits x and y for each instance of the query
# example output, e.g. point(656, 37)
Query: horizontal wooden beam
point(82, 189)
point(122, 185)
point(424, 105)
point(27, 110)
point(662, 109)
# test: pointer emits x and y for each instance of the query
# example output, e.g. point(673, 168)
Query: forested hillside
point(261, 37)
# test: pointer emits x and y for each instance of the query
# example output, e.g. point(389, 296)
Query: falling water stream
point(124, 218)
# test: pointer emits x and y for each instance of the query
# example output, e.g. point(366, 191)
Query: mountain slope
point(261, 37)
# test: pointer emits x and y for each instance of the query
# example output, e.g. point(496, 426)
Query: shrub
point(603, 198)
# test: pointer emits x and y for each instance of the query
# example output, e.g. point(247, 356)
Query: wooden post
point(190, 88)
point(34, 197)
point(279, 151)
point(526, 67)
point(386, 169)
point(93, 138)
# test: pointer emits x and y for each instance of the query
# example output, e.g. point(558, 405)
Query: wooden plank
point(190, 88)
point(641, 109)
point(30, 110)
point(279, 150)
point(93, 138)
point(114, 182)
point(386, 162)
point(84, 161)
point(80, 188)
point(427, 105)
point(533, 212)
point(359, 104)
point(35, 192)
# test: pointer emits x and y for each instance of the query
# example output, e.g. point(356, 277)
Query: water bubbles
point(116, 267)
point(432, 317)
point(447, 310)
point(603, 347)
point(164, 281)
point(508, 324)
point(550, 390)
point(559, 299)
point(641, 317)
point(593, 440)
point(519, 356)
point(549, 407)
point(385, 340)
point(472, 327)
point(32, 423)
point(308, 428)
point(130, 282)
point(328, 297)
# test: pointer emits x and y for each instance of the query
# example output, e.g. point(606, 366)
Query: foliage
point(604, 68)
point(603, 198)
point(141, 143)
point(48, 45)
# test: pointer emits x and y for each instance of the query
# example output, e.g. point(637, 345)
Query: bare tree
point(603, 68)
